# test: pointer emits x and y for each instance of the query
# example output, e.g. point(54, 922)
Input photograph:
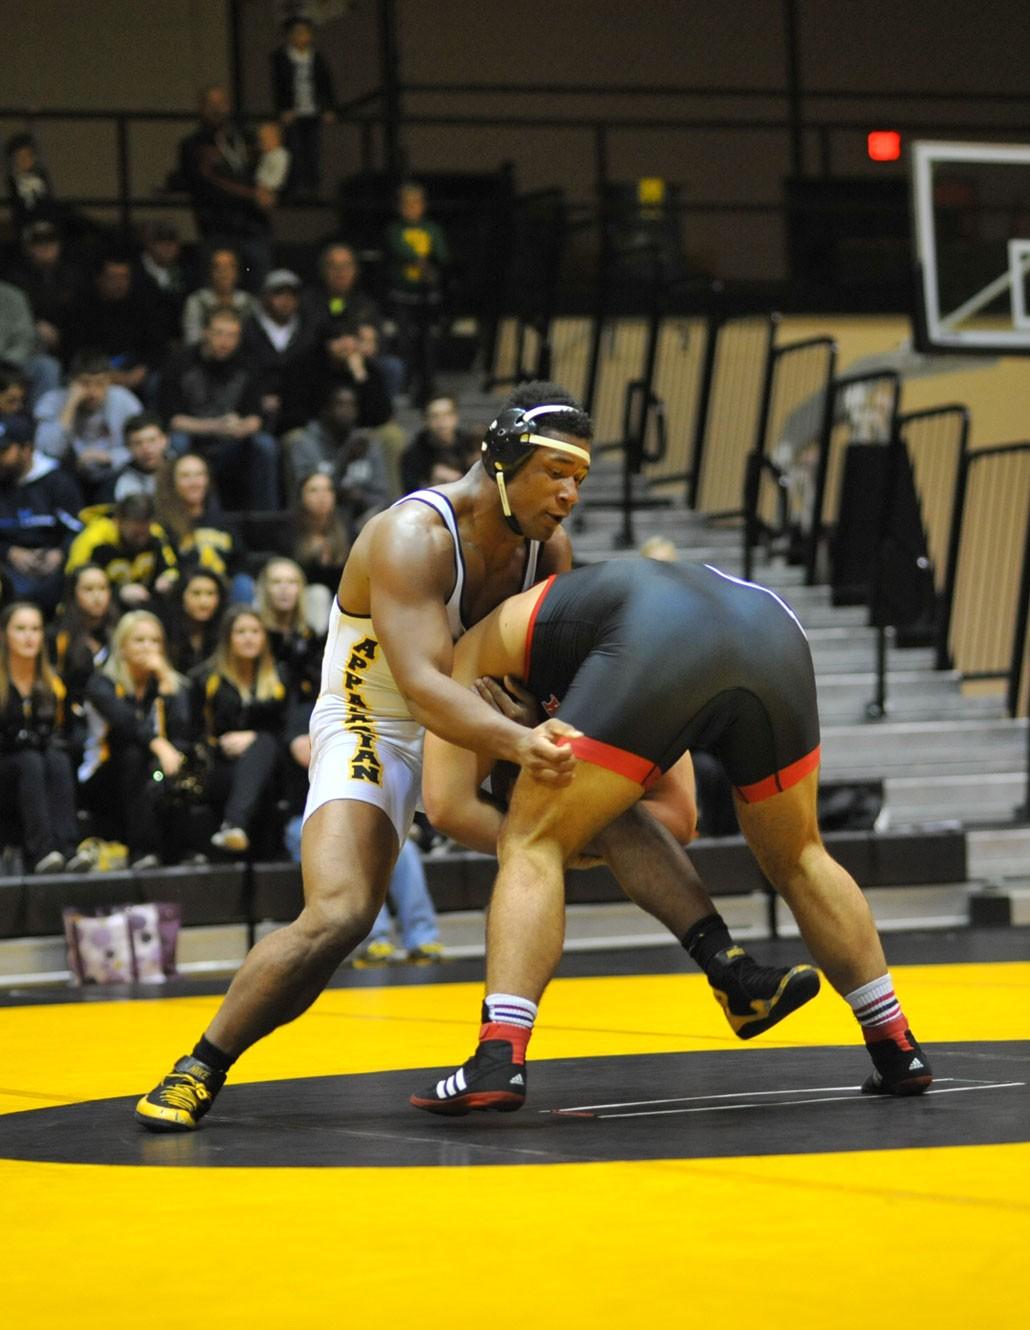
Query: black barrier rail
point(795, 409)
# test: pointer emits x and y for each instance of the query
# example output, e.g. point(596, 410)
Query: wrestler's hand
point(543, 757)
point(513, 700)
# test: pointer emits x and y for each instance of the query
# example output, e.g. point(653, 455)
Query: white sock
point(507, 1009)
point(874, 1003)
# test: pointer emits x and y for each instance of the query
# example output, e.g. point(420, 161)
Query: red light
point(883, 145)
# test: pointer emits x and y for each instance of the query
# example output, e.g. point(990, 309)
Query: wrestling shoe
point(755, 997)
point(182, 1098)
point(490, 1079)
point(900, 1067)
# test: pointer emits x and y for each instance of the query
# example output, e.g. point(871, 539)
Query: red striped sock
point(878, 1011)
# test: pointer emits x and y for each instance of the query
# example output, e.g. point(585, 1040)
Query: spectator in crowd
point(216, 164)
point(83, 425)
point(51, 284)
point(297, 649)
point(353, 460)
point(163, 278)
point(302, 89)
point(112, 315)
point(441, 451)
point(239, 707)
point(81, 636)
point(28, 183)
point(321, 544)
point(202, 535)
point(222, 292)
point(349, 359)
point(147, 443)
point(273, 163)
point(131, 547)
point(191, 616)
point(35, 770)
point(279, 340)
point(408, 898)
point(212, 402)
point(343, 305)
point(19, 343)
point(137, 709)
point(417, 256)
point(14, 391)
point(39, 503)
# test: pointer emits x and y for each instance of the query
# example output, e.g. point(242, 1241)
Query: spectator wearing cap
point(279, 339)
point(113, 316)
point(212, 402)
point(39, 503)
point(222, 292)
point(19, 345)
point(50, 281)
point(162, 277)
point(83, 425)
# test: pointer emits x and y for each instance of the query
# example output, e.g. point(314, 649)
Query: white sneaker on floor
point(233, 839)
point(50, 863)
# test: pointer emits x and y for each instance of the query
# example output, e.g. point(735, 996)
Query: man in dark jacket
point(279, 338)
point(39, 503)
point(302, 88)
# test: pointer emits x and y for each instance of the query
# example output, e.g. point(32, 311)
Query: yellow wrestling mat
point(837, 1239)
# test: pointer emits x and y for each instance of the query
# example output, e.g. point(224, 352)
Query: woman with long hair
point(81, 636)
point(281, 603)
point(35, 769)
point(321, 543)
point(137, 709)
point(239, 707)
point(191, 616)
point(201, 534)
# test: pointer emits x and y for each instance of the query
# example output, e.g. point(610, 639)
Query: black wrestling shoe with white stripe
point(490, 1079)
point(900, 1067)
point(755, 997)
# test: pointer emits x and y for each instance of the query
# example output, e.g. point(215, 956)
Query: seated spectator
point(239, 706)
point(112, 315)
point(83, 425)
point(81, 637)
point(350, 360)
point(147, 443)
point(28, 184)
point(39, 504)
point(131, 547)
point(321, 545)
point(14, 391)
point(354, 461)
point(222, 292)
point(409, 903)
point(302, 88)
point(19, 346)
point(212, 403)
point(191, 616)
point(163, 278)
point(417, 256)
point(35, 770)
point(273, 164)
point(281, 607)
point(279, 339)
point(137, 709)
point(51, 284)
point(441, 451)
point(216, 165)
point(200, 532)
point(342, 305)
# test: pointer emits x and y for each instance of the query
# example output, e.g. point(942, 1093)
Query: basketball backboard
point(971, 213)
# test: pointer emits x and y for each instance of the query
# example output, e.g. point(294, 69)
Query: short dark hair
point(141, 420)
point(11, 376)
point(18, 141)
point(295, 21)
point(134, 508)
point(539, 392)
point(89, 361)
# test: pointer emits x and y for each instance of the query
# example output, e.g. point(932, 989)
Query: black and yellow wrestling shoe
point(755, 997)
point(182, 1098)
point(490, 1080)
point(900, 1067)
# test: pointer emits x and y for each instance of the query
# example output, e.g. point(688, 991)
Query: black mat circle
point(650, 1106)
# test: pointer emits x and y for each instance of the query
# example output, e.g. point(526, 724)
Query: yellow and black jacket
point(217, 707)
point(101, 543)
point(118, 719)
point(34, 722)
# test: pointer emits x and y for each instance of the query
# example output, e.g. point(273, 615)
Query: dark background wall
point(152, 56)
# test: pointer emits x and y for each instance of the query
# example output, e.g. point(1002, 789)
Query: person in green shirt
point(417, 257)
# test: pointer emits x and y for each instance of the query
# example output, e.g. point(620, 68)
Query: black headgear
point(510, 441)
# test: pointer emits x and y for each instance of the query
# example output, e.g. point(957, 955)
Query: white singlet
point(365, 744)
